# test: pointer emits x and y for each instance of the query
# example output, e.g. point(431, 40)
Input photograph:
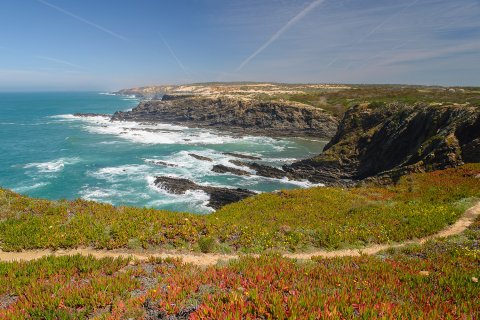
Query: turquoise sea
point(47, 152)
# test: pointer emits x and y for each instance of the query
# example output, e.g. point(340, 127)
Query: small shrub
point(206, 244)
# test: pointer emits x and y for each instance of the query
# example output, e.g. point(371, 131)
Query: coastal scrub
point(317, 218)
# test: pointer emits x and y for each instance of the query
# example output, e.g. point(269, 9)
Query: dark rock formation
point(238, 163)
point(170, 97)
point(241, 156)
point(235, 115)
point(219, 197)
point(267, 171)
point(162, 163)
point(387, 142)
point(199, 157)
point(152, 92)
point(220, 168)
point(262, 170)
point(90, 115)
point(176, 185)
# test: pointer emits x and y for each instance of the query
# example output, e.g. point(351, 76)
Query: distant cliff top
point(334, 98)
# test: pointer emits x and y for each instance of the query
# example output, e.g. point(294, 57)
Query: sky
point(48, 45)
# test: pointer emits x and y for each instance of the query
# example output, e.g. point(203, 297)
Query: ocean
point(46, 152)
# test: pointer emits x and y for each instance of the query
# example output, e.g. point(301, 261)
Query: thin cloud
point(180, 64)
point(419, 55)
point(90, 23)
point(332, 62)
point(387, 20)
point(282, 30)
point(374, 30)
point(60, 61)
point(375, 58)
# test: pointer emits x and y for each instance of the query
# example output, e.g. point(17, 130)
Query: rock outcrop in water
point(199, 157)
point(375, 141)
point(386, 142)
point(236, 115)
point(219, 197)
point(220, 168)
point(263, 170)
point(241, 156)
point(90, 115)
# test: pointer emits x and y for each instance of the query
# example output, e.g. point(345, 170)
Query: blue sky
point(107, 45)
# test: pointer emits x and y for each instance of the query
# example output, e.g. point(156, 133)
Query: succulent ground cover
point(327, 218)
point(438, 280)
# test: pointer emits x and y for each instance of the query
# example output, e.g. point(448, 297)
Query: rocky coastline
point(244, 117)
point(219, 196)
point(383, 143)
point(371, 142)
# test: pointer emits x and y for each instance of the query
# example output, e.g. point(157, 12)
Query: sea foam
point(51, 166)
point(163, 133)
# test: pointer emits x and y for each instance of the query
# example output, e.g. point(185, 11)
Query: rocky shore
point(380, 142)
point(385, 142)
point(237, 116)
point(219, 197)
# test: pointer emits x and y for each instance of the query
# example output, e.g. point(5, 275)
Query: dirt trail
point(211, 259)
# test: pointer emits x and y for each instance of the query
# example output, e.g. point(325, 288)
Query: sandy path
point(211, 259)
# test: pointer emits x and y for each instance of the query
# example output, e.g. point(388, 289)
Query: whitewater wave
point(23, 189)
point(121, 173)
point(152, 133)
point(164, 133)
point(199, 171)
point(101, 194)
point(63, 117)
point(192, 199)
point(51, 166)
point(282, 160)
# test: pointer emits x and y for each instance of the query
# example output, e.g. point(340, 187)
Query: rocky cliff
point(151, 92)
point(236, 115)
point(386, 142)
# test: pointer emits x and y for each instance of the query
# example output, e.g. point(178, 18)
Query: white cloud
point(282, 30)
point(90, 23)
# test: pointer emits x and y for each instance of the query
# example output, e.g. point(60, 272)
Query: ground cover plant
point(331, 218)
point(438, 280)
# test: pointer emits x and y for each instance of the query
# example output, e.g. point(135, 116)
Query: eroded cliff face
point(235, 115)
point(386, 142)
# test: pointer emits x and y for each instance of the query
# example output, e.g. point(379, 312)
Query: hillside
point(334, 98)
point(297, 220)
point(436, 280)
point(388, 141)
point(236, 115)
point(402, 175)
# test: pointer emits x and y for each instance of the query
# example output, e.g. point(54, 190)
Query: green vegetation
point(436, 281)
point(206, 244)
point(334, 98)
point(338, 101)
point(419, 205)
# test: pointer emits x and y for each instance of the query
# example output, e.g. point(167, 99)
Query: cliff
point(236, 115)
point(387, 141)
point(150, 92)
